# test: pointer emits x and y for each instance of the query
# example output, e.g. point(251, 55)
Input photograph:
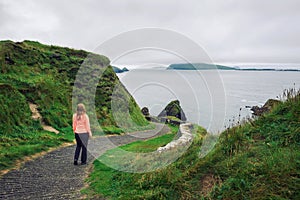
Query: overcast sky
point(234, 31)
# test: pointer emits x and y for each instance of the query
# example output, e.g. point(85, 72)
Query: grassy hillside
point(45, 75)
point(259, 159)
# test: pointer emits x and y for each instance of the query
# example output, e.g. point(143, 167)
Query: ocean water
point(211, 98)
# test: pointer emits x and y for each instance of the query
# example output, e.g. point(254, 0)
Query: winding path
point(53, 176)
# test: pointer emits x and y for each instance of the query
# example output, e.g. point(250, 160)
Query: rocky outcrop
point(173, 109)
point(125, 69)
point(172, 114)
point(118, 70)
point(149, 117)
point(145, 111)
point(258, 111)
point(185, 137)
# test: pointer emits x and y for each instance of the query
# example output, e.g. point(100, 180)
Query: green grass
point(148, 145)
point(115, 184)
point(258, 159)
point(102, 177)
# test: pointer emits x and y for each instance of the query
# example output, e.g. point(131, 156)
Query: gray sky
point(234, 31)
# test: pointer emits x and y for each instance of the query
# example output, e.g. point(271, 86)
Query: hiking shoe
point(75, 162)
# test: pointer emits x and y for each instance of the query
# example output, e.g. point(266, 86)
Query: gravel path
point(53, 176)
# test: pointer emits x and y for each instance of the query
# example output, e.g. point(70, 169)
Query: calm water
point(209, 98)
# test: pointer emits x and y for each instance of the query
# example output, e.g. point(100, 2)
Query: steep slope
point(44, 75)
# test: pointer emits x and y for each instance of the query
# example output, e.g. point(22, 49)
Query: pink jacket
point(81, 125)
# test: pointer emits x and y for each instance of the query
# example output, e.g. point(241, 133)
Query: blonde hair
point(80, 110)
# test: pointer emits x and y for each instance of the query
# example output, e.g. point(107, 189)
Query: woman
point(82, 130)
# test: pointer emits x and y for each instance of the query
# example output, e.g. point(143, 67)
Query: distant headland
point(205, 66)
point(119, 70)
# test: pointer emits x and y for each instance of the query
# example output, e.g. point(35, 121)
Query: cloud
point(230, 31)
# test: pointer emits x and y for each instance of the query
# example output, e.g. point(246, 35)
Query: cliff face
point(45, 75)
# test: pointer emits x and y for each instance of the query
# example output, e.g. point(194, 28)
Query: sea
point(214, 99)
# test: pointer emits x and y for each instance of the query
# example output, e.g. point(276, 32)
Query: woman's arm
point(74, 124)
point(87, 125)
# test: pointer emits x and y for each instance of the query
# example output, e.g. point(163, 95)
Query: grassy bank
point(257, 159)
point(20, 135)
point(111, 183)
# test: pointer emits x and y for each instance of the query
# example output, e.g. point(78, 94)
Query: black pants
point(81, 143)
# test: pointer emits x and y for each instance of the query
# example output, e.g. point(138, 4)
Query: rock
point(118, 70)
point(125, 69)
point(173, 120)
point(258, 111)
point(184, 138)
point(271, 103)
point(56, 56)
point(35, 113)
point(9, 61)
point(145, 111)
point(173, 109)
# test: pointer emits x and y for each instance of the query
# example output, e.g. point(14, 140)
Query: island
point(206, 66)
point(198, 66)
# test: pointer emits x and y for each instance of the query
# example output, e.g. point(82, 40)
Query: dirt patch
point(208, 182)
point(35, 113)
point(37, 116)
point(50, 129)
